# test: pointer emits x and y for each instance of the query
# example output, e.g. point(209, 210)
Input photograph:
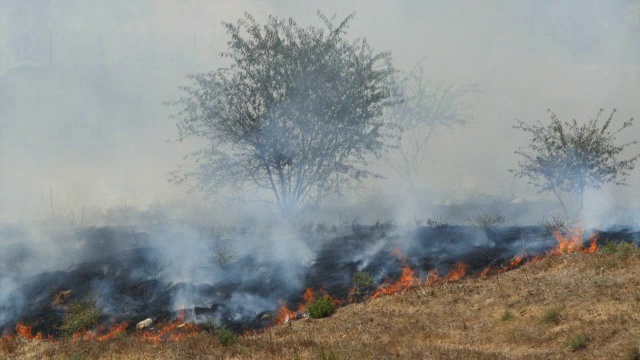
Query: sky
point(82, 86)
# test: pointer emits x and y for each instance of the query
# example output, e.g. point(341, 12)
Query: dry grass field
point(567, 306)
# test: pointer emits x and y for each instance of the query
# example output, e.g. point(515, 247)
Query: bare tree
point(297, 113)
point(426, 108)
point(566, 158)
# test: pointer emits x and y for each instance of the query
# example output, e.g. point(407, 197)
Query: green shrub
point(321, 308)
point(507, 315)
point(363, 281)
point(226, 336)
point(620, 248)
point(81, 315)
point(578, 342)
point(552, 316)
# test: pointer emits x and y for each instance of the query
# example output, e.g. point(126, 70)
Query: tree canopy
point(566, 158)
point(298, 111)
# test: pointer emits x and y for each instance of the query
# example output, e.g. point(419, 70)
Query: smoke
point(86, 147)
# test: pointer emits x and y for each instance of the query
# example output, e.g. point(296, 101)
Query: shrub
point(620, 248)
point(507, 315)
point(363, 281)
point(552, 316)
point(226, 336)
point(321, 308)
point(578, 342)
point(489, 219)
point(553, 224)
point(81, 315)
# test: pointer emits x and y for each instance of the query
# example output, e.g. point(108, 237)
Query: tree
point(298, 111)
point(426, 108)
point(566, 158)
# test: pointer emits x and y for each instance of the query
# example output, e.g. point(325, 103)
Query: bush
point(578, 342)
point(363, 281)
point(553, 224)
point(81, 315)
point(489, 220)
point(507, 315)
point(620, 248)
point(321, 308)
point(552, 316)
point(226, 336)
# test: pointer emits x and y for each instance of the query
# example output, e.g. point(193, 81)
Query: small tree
point(426, 108)
point(298, 112)
point(566, 158)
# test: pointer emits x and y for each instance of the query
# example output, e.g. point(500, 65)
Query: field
point(569, 305)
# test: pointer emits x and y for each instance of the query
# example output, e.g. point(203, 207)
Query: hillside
point(573, 305)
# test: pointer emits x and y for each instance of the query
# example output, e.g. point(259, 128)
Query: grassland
point(568, 306)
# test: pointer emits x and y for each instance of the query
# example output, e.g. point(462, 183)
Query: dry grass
point(597, 297)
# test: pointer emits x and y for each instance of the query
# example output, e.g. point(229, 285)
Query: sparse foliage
point(363, 281)
point(552, 316)
point(81, 315)
point(226, 336)
point(620, 248)
point(507, 315)
point(297, 113)
point(566, 158)
point(554, 223)
point(437, 221)
point(578, 342)
point(487, 220)
point(425, 109)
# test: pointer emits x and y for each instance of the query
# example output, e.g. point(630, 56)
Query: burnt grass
point(128, 285)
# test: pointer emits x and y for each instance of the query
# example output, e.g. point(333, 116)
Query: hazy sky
point(82, 85)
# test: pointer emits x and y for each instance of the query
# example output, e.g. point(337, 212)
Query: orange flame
point(406, 281)
point(572, 241)
point(457, 272)
point(171, 331)
point(284, 314)
point(434, 278)
point(26, 331)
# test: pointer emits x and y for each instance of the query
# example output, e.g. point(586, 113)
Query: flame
point(457, 272)
point(434, 278)
point(284, 314)
point(309, 297)
point(171, 331)
point(26, 331)
point(572, 241)
point(114, 331)
point(101, 332)
point(406, 281)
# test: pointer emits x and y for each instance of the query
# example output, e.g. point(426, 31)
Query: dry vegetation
point(582, 306)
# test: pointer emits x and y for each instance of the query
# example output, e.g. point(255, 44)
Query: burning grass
point(455, 315)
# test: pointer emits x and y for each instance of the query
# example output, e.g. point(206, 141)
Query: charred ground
point(128, 279)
